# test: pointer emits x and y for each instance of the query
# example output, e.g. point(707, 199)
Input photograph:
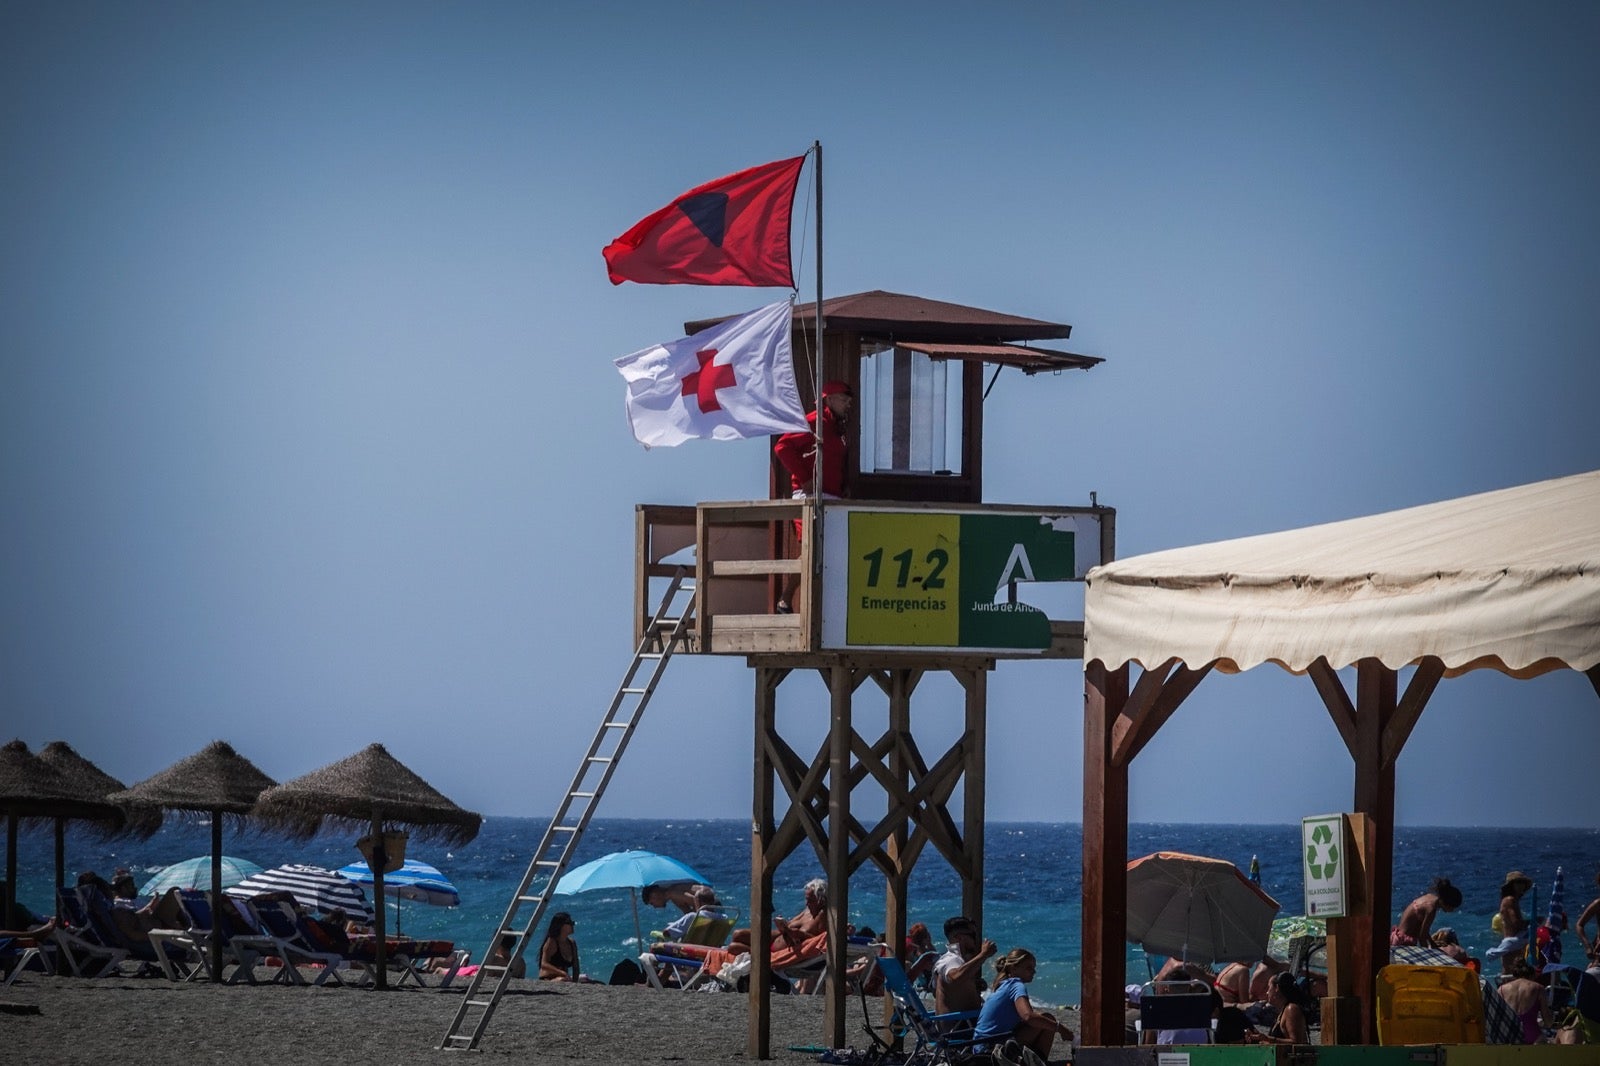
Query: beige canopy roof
point(1506, 580)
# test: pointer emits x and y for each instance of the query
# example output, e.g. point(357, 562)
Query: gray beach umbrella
point(33, 793)
point(369, 792)
point(215, 782)
point(87, 781)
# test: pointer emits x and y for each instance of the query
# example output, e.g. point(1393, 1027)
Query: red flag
point(732, 231)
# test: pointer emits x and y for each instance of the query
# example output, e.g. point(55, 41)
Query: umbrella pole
point(216, 896)
point(380, 859)
point(638, 934)
point(10, 902)
point(61, 858)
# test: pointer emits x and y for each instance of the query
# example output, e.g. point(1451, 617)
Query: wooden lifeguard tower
point(911, 574)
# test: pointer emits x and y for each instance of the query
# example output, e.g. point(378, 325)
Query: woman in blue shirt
point(1007, 1013)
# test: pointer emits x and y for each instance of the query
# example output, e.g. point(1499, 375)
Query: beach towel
point(785, 955)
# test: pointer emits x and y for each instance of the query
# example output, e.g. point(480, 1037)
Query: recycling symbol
point(1322, 842)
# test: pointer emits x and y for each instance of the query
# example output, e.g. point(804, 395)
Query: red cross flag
point(733, 380)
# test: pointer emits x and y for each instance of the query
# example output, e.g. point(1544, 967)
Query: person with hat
point(797, 452)
point(1591, 947)
point(1509, 922)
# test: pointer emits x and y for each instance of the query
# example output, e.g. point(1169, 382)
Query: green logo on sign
point(1322, 841)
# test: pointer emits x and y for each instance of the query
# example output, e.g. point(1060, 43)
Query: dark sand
point(137, 1021)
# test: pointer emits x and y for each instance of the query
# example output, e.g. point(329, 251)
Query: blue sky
point(309, 434)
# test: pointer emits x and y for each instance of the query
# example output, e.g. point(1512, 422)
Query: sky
point(310, 437)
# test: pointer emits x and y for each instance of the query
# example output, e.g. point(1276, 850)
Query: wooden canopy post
point(1375, 729)
point(1117, 725)
point(841, 688)
point(763, 864)
point(973, 785)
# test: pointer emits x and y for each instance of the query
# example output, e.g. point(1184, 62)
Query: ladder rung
point(599, 758)
point(563, 829)
point(618, 725)
point(480, 1003)
point(635, 691)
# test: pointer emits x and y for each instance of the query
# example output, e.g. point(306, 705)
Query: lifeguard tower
point(910, 575)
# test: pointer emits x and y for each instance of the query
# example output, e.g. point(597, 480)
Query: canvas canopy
point(1506, 580)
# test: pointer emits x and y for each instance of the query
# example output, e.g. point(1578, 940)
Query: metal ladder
point(664, 634)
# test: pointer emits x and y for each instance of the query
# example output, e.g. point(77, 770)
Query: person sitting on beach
point(1416, 921)
point(501, 955)
point(680, 894)
point(1528, 998)
point(38, 932)
point(1591, 913)
point(1444, 938)
point(1008, 1013)
point(1233, 984)
point(558, 955)
point(134, 922)
point(958, 973)
point(1290, 1026)
point(812, 919)
point(920, 956)
point(706, 906)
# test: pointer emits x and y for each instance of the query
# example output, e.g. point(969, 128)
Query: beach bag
point(1012, 1053)
point(627, 972)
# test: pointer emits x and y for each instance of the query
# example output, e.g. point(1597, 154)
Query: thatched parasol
point(87, 781)
point(33, 793)
point(215, 781)
point(371, 791)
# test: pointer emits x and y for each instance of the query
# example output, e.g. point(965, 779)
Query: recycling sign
point(1322, 843)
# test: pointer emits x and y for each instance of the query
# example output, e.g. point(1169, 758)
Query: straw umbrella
point(370, 791)
point(88, 782)
point(32, 793)
point(215, 781)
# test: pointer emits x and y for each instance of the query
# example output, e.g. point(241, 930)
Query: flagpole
point(816, 384)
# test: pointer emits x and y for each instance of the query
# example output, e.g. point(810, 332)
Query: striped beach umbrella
point(313, 887)
point(1556, 917)
point(414, 881)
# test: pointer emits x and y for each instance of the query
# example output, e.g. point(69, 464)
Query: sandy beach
point(150, 1020)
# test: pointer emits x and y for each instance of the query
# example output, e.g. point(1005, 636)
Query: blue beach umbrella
point(1556, 917)
point(196, 873)
point(632, 870)
point(414, 881)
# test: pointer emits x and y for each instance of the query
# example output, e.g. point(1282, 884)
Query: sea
point(1032, 891)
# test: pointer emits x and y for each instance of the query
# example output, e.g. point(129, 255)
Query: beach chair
point(1429, 1005)
point(146, 952)
point(683, 963)
point(193, 943)
point(17, 953)
point(402, 955)
point(1175, 1005)
point(83, 951)
point(282, 937)
point(939, 1038)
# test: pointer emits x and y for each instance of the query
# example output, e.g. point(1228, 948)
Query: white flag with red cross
point(731, 381)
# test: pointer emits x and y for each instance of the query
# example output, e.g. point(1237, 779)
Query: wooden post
point(1374, 797)
point(1105, 859)
point(758, 1043)
point(901, 684)
point(973, 785)
point(841, 689)
point(1342, 1008)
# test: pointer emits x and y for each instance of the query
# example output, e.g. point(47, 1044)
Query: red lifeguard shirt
point(795, 452)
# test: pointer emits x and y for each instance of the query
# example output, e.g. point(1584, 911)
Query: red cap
point(831, 387)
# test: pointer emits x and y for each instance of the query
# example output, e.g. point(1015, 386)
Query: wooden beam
point(1336, 700)
point(973, 813)
point(758, 1030)
point(1420, 689)
point(841, 687)
point(1374, 797)
point(1160, 700)
point(1105, 859)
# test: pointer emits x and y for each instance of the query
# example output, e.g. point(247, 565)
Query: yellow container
point(1429, 1005)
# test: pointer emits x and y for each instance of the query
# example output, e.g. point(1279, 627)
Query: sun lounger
point(83, 952)
point(940, 1038)
point(16, 953)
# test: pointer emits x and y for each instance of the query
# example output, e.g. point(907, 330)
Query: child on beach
point(1009, 1015)
point(1416, 921)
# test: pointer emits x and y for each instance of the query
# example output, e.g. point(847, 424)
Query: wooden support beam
point(1155, 699)
point(897, 898)
point(1376, 685)
point(841, 687)
point(1105, 859)
point(1336, 700)
point(976, 683)
point(1420, 689)
point(758, 1034)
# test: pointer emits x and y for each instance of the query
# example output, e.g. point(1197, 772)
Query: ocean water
point(1032, 894)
